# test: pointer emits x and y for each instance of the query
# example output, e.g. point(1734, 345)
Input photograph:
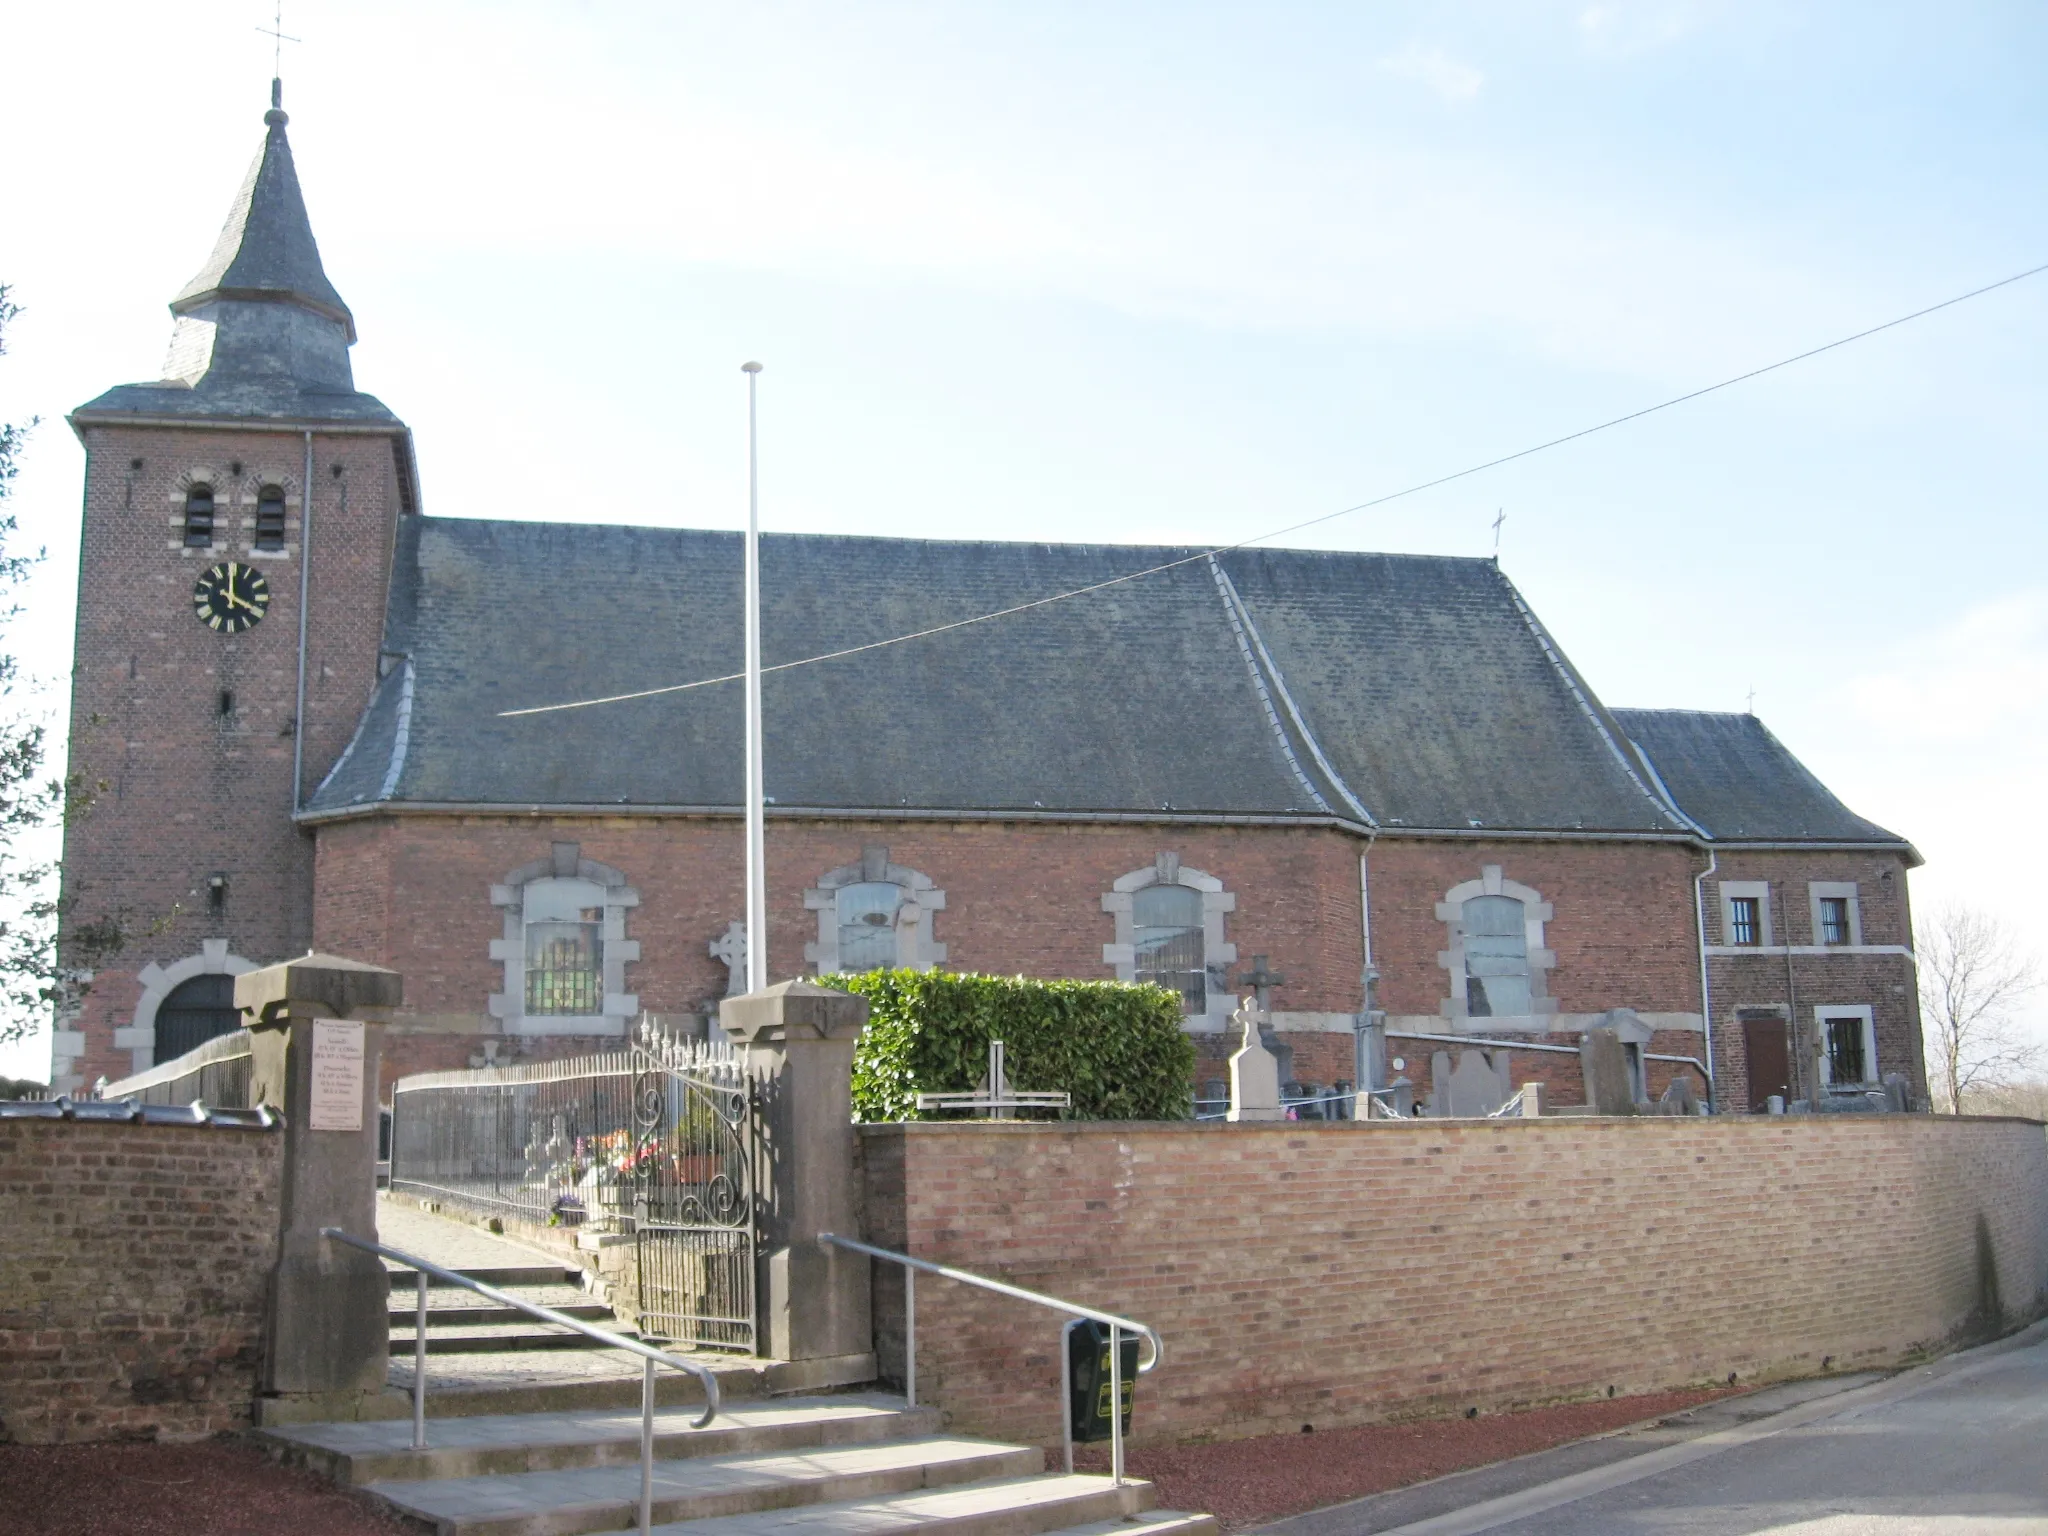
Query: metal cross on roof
point(278, 38)
point(1262, 980)
point(997, 1097)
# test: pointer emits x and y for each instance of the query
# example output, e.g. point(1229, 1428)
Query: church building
point(303, 698)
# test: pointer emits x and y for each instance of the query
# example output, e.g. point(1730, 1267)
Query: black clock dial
point(231, 597)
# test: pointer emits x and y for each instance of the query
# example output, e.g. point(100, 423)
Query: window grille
point(270, 518)
point(199, 517)
point(1834, 919)
point(867, 925)
point(1744, 919)
point(1496, 958)
point(1166, 942)
point(1846, 1060)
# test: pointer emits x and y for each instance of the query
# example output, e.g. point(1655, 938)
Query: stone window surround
point(921, 897)
point(158, 982)
point(1218, 954)
point(1823, 1012)
point(234, 513)
point(1816, 890)
point(1766, 918)
point(565, 861)
point(1542, 960)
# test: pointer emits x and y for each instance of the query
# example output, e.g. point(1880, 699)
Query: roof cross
point(278, 38)
point(1499, 516)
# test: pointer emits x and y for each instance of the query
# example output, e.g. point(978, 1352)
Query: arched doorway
point(195, 1012)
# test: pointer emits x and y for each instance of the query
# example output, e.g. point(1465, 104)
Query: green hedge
point(1118, 1048)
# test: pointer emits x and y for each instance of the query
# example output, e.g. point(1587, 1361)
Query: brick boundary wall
point(1346, 1273)
point(132, 1278)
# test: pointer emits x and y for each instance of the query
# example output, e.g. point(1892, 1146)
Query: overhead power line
point(1311, 522)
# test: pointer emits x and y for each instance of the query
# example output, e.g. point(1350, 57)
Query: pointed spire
point(266, 251)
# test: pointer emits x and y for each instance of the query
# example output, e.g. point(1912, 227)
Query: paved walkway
point(452, 1244)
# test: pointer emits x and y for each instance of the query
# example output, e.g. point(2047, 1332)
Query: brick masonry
point(132, 1278)
point(191, 788)
point(1343, 1274)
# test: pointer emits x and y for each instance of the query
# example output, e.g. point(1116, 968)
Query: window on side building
point(1166, 938)
point(1834, 919)
point(1496, 958)
point(564, 948)
point(1745, 920)
point(1850, 1048)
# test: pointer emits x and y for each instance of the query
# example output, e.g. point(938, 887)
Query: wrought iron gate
point(695, 1152)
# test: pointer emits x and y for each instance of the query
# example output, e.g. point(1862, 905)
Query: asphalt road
point(1959, 1448)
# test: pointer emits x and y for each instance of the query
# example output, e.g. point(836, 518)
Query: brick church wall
point(1341, 1274)
point(189, 791)
point(132, 1278)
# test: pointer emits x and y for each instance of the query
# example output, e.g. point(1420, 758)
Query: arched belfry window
point(874, 915)
point(1498, 965)
point(1169, 931)
point(199, 516)
point(270, 518)
point(565, 949)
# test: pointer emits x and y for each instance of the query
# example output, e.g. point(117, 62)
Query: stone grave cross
point(1262, 980)
point(995, 1096)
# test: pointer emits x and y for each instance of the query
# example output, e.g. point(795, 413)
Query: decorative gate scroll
point(696, 1146)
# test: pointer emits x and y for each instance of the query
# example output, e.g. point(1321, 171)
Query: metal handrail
point(651, 1357)
point(1072, 1308)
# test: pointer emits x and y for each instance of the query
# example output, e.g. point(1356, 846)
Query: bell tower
point(240, 514)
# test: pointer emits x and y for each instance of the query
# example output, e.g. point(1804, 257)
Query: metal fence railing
point(214, 1072)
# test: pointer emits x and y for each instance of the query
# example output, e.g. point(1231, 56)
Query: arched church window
point(874, 915)
point(1166, 939)
point(1496, 958)
point(195, 1011)
point(270, 518)
point(199, 517)
point(564, 948)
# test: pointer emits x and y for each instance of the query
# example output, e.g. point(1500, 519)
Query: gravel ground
point(1249, 1482)
point(213, 1488)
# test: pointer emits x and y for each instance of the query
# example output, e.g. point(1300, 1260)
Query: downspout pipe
point(305, 589)
point(1699, 912)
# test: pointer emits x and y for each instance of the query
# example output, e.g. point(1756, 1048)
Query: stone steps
point(699, 1487)
point(507, 1331)
point(485, 1444)
point(858, 1462)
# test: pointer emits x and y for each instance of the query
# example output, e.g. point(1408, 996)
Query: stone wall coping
point(1641, 1124)
point(193, 1116)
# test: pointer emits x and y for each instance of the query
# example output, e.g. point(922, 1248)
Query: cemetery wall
point(1344, 1273)
point(132, 1278)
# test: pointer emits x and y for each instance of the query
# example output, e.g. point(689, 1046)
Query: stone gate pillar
point(316, 1027)
point(799, 1039)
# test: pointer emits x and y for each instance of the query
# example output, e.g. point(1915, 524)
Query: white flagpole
point(757, 873)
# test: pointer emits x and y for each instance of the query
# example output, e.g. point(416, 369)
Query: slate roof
point(1416, 691)
point(261, 332)
point(1740, 783)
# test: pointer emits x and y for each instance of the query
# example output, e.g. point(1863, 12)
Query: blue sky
point(1179, 273)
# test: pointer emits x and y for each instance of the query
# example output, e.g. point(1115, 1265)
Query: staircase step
point(1153, 1522)
point(449, 1298)
point(486, 1445)
point(403, 1279)
point(520, 1333)
point(566, 1503)
point(488, 1313)
point(1012, 1507)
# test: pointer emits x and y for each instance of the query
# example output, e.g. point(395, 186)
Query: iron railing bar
point(545, 1314)
point(967, 1277)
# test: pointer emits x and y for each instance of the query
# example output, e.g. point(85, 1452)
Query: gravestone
point(316, 1028)
point(1401, 1097)
point(1679, 1098)
point(1474, 1088)
point(730, 950)
point(1898, 1092)
point(1610, 1089)
point(1254, 1074)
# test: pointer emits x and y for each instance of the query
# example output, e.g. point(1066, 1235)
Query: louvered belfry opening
point(270, 518)
point(199, 517)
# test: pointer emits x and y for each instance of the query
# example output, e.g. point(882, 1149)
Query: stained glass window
point(564, 948)
point(867, 925)
point(1166, 936)
point(1496, 958)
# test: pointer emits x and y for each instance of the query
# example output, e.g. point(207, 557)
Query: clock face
point(231, 597)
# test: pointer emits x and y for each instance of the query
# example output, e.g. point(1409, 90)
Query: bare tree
point(1973, 977)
